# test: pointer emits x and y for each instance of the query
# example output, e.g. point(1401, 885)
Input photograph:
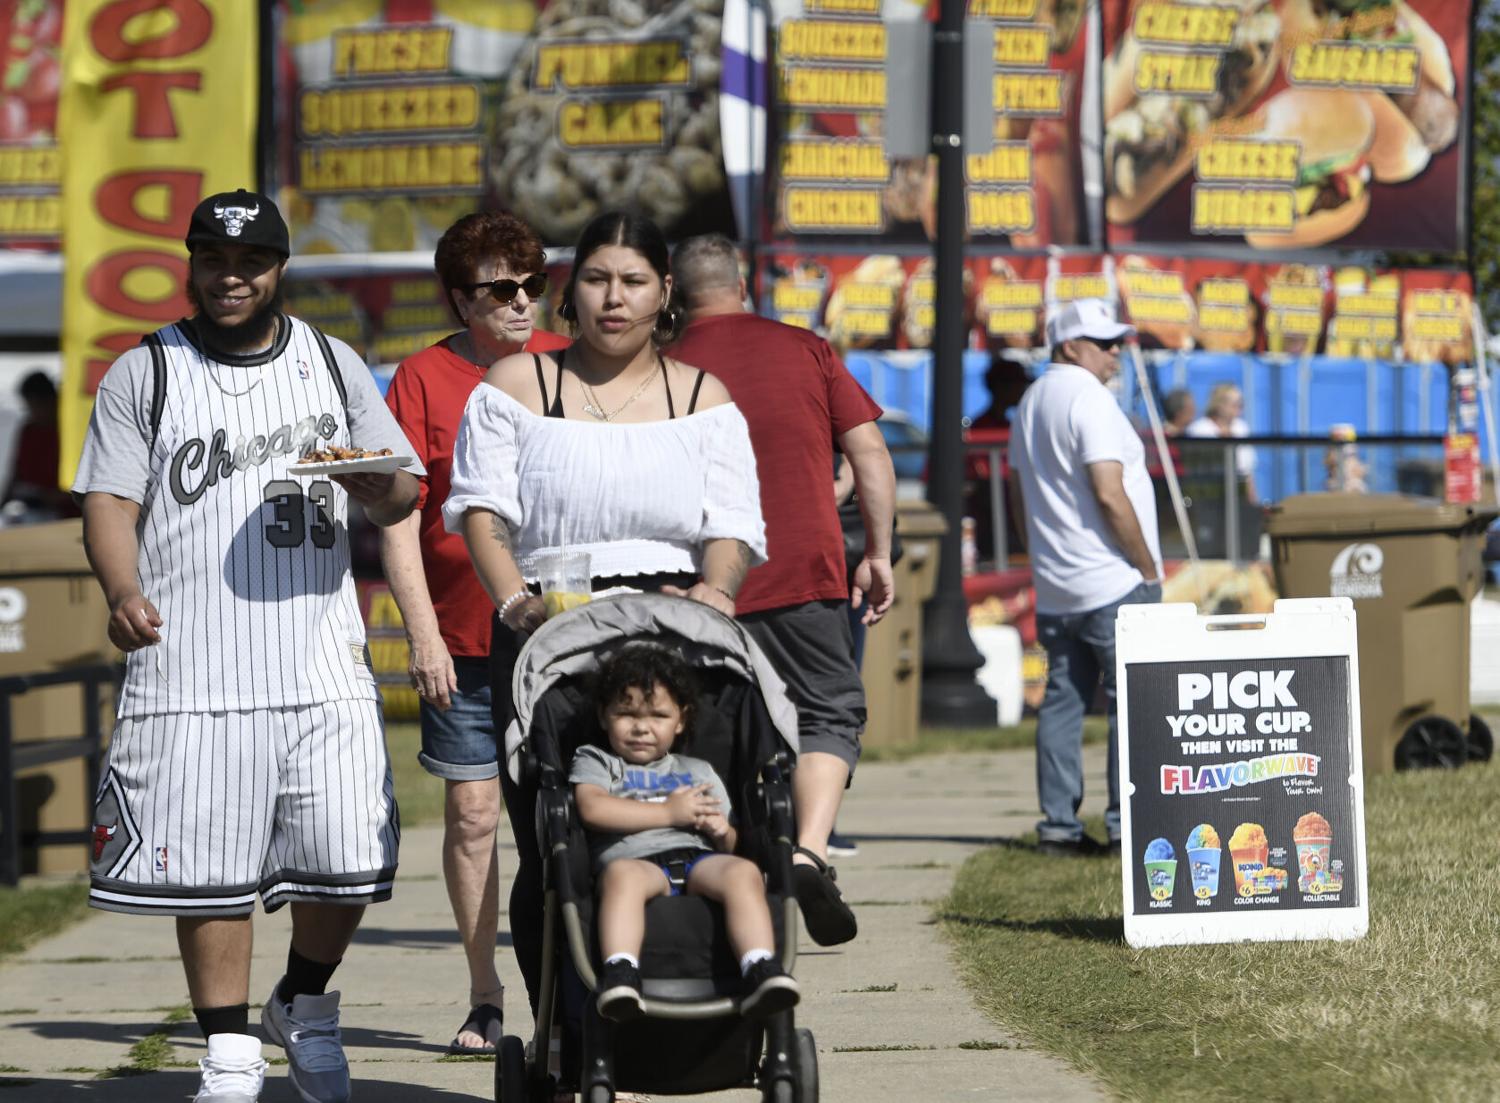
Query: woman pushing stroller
point(658, 827)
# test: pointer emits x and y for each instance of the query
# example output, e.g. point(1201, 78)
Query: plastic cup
point(566, 580)
point(1160, 878)
point(1203, 861)
point(1248, 863)
point(1312, 859)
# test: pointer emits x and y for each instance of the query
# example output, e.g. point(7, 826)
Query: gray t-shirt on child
point(654, 781)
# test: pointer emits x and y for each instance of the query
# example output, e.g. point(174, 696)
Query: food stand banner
point(1287, 124)
point(402, 115)
point(30, 77)
point(829, 174)
point(885, 301)
point(163, 97)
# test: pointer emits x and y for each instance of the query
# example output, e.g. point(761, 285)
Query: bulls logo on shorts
point(115, 836)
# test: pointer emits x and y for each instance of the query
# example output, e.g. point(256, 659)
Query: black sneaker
point(768, 989)
point(620, 992)
point(1085, 846)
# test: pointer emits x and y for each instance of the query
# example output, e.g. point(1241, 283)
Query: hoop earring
point(666, 323)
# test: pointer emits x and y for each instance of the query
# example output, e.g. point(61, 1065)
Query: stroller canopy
point(575, 643)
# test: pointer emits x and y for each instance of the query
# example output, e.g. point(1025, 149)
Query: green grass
point(929, 741)
point(1411, 1012)
point(418, 794)
point(36, 910)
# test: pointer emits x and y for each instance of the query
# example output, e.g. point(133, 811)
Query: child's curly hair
point(644, 666)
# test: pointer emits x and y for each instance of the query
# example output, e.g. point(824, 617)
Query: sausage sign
point(1241, 792)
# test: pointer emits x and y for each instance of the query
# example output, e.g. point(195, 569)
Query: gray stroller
point(693, 1037)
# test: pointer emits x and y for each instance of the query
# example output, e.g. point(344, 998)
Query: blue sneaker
point(308, 1029)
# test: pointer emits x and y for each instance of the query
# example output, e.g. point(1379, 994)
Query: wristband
point(505, 606)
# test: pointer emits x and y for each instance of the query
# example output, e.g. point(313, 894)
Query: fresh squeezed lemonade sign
point(1243, 817)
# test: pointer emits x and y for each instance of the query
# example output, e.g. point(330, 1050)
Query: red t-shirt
point(798, 397)
point(427, 396)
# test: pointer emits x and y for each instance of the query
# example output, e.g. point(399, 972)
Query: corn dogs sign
point(1287, 124)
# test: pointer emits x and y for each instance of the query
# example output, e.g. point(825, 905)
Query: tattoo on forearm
point(500, 530)
point(741, 566)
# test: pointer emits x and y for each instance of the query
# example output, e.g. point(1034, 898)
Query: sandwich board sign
point(1242, 797)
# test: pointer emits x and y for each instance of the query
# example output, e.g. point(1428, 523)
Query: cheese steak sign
point(161, 93)
point(1287, 124)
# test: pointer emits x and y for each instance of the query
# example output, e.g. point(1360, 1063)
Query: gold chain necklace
point(595, 409)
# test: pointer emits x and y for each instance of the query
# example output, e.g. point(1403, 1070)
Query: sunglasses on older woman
point(504, 291)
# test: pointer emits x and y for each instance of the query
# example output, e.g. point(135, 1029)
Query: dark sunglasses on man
point(1111, 345)
point(504, 291)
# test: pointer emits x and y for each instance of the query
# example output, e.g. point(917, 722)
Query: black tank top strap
point(666, 382)
point(541, 379)
point(556, 409)
point(697, 386)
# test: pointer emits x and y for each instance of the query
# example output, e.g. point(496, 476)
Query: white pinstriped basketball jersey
point(247, 564)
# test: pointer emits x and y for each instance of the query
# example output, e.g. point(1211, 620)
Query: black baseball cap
point(239, 218)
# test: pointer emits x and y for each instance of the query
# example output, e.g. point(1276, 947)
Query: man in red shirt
point(491, 269)
point(799, 400)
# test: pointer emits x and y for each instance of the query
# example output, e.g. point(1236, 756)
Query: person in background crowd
point(33, 480)
point(1080, 469)
point(1178, 411)
point(1223, 418)
point(799, 400)
point(491, 269)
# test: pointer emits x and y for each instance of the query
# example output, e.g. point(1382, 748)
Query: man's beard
point(253, 333)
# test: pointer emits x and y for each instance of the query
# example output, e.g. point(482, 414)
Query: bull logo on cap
point(234, 218)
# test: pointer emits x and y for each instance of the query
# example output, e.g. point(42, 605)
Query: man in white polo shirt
point(1091, 530)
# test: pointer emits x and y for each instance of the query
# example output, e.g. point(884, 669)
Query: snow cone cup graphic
point(1314, 839)
point(1161, 869)
point(1204, 853)
point(1250, 853)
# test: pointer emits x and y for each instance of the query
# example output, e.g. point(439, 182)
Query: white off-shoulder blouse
point(640, 498)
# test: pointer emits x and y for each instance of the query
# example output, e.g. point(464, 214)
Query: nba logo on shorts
point(160, 864)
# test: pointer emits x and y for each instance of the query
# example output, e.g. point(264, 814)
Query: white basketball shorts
point(198, 812)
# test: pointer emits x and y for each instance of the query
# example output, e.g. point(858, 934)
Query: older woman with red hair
point(491, 269)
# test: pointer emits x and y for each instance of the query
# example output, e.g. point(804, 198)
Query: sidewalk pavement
point(891, 1019)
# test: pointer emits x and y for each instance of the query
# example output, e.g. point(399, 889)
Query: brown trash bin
point(52, 616)
point(892, 670)
point(1411, 566)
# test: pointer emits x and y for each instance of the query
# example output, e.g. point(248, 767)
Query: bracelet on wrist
point(514, 599)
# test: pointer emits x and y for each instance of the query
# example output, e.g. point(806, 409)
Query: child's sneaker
point(620, 992)
point(768, 989)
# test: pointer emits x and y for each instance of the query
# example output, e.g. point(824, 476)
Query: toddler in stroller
point(658, 827)
point(688, 1019)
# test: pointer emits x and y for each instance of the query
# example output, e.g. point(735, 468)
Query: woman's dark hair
point(643, 667)
point(633, 232)
point(480, 237)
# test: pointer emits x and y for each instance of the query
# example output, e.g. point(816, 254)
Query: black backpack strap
point(333, 364)
point(152, 341)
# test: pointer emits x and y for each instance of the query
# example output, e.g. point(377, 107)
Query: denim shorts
point(459, 744)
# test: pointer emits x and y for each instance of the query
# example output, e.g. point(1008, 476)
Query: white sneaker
point(233, 1071)
point(308, 1030)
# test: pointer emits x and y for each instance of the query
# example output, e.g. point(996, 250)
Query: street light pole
point(950, 695)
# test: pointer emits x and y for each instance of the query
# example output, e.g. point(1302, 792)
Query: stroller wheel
point(779, 1091)
point(510, 1071)
point(807, 1067)
point(601, 1093)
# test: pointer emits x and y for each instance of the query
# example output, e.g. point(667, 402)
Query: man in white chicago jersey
point(249, 753)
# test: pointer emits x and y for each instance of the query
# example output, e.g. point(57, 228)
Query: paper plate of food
point(348, 461)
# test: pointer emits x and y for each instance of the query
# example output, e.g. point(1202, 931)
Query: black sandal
point(829, 920)
point(486, 1020)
